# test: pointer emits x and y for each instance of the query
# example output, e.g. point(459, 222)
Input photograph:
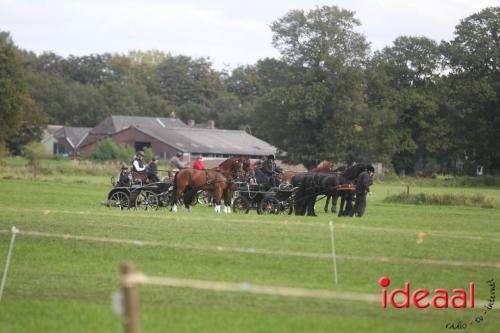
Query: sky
point(229, 32)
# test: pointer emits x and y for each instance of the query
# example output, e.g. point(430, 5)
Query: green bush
point(442, 199)
point(148, 154)
point(107, 150)
point(3, 150)
point(35, 152)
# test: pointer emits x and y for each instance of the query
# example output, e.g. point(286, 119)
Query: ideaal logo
point(420, 297)
point(439, 299)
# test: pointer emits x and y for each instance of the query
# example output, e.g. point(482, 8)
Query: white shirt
point(137, 167)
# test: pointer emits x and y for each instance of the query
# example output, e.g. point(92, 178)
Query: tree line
point(416, 105)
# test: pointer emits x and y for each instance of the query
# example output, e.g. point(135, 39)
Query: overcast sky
point(230, 32)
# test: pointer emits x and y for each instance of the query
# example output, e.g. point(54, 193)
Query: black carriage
point(144, 196)
point(274, 200)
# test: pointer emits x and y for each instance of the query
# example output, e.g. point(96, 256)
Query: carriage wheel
point(204, 197)
point(241, 205)
point(119, 199)
point(165, 199)
point(146, 200)
point(287, 208)
point(269, 206)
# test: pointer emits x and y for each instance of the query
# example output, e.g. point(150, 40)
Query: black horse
point(313, 184)
point(333, 195)
point(310, 186)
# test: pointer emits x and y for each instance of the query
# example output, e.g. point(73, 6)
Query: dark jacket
point(124, 179)
point(153, 168)
point(270, 168)
point(363, 183)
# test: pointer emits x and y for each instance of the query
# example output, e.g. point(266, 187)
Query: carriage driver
point(139, 167)
point(271, 170)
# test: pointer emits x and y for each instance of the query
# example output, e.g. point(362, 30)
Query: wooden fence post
point(130, 299)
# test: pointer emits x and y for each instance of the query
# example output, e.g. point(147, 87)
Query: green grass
point(58, 285)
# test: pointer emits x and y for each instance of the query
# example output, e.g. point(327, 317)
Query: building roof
point(210, 141)
point(52, 129)
point(74, 135)
point(113, 124)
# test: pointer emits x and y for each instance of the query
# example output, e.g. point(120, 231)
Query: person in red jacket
point(198, 164)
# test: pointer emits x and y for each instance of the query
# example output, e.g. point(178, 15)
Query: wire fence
point(130, 280)
point(256, 251)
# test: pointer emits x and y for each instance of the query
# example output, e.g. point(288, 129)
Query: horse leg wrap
point(174, 208)
point(217, 208)
point(190, 208)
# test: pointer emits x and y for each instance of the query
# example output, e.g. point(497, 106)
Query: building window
point(58, 149)
point(141, 145)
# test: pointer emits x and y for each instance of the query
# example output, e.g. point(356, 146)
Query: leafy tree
point(12, 88)
point(21, 121)
point(474, 86)
point(314, 101)
point(404, 88)
point(35, 152)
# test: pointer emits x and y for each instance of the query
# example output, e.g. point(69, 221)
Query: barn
point(167, 136)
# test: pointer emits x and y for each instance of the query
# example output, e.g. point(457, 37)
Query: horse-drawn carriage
point(274, 200)
point(141, 194)
point(138, 195)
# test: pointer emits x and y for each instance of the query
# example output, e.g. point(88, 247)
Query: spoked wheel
point(269, 206)
point(204, 197)
point(241, 205)
point(119, 199)
point(165, 199)
point(147, 200)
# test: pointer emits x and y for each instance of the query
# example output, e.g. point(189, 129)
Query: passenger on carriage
point(153, 169)
point(176, 162)
point(124, 177)
point(198, 164)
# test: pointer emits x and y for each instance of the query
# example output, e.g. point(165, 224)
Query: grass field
point(65, 285)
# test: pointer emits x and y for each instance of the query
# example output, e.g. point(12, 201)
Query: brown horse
point(323, 167)
point(218, 182)
point(208, 180)
point(232, 168)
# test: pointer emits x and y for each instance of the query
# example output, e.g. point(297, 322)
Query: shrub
point(35, 152)
point(3, 150)
point(107, 150)
point(479, 200)
point(148, 154)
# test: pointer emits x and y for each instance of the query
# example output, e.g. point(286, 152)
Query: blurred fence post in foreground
point(130, 298)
